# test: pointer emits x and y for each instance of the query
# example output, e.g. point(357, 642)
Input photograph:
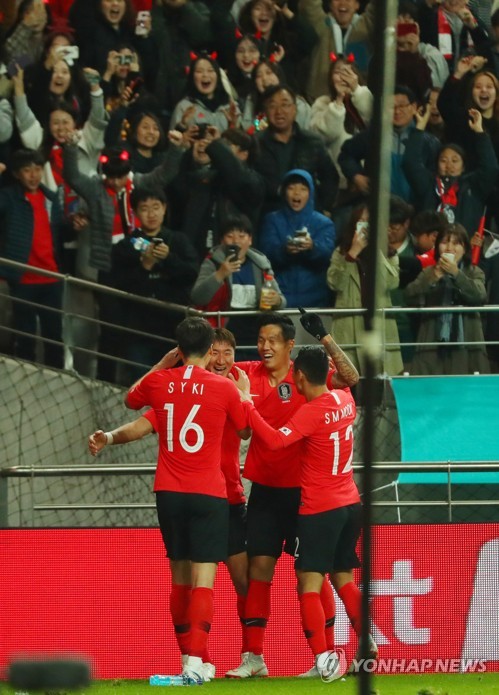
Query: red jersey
point(326, 426)
point(191, 407)
point(229, 461)
point(276, 404)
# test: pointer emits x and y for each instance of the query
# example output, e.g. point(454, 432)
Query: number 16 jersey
point(191, 407)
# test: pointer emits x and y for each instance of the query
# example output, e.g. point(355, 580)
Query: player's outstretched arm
point(346, 373)
point(121, 435)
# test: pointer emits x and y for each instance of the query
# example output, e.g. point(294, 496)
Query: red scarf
point(444, 34)
point(123, 220)
point(69, 196)
point(448, 197)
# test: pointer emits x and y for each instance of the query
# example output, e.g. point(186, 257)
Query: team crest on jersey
point(284, 391)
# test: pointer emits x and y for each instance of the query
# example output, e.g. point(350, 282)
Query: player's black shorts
point(237, 529)
point(272, 516)
point(194, 527)
point(327, 541)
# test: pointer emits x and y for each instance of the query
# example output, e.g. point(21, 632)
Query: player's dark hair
point(223, 335)
point(313, 362)
point(139, 195)
point(194, 336)
point(272, 318)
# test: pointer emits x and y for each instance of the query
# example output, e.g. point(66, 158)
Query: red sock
point(206, 656)
point(201, 615)
point(313, 621)
point(257, 613)
point(329, 607)
point(180, 598)
point(241, 607)
point(352, 598)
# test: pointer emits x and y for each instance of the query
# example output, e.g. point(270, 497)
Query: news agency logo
point(404, 666)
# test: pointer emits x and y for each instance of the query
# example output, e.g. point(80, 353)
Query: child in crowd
point(154, 261)
point(232, 277)
point(30, 233)
point(299, 242)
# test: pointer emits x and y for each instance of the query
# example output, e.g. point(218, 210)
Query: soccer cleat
point(192, 677)
point(311, 673)
point(208, 671)
point(330, 665)
point(252, 666)
point(373, 654)
point(193, 671)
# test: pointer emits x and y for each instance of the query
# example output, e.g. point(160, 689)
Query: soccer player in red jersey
point(221, 363)
point(329, 521)
point(191, 406)
point(275, 493)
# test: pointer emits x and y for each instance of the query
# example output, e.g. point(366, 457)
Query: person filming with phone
point(232, 277)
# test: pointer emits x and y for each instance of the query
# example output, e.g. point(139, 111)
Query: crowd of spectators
point(192, 151)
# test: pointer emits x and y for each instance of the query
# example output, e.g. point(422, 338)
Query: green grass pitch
point(414, 684)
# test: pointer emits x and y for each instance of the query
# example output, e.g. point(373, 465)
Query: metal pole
point(383, 88)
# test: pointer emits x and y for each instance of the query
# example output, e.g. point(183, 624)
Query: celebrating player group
point(303, 500)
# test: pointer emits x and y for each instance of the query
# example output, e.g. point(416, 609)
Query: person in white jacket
point(345, 111)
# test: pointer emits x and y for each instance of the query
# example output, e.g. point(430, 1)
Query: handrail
point(105, 289)
point(129, 469)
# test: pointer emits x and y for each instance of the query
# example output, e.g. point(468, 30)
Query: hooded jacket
point(213, 295)
point(301, 276)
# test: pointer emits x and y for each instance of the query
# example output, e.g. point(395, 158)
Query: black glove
point(312, 323)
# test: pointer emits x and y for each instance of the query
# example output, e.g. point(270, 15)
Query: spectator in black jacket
point(155, 262)
point(178, 27)
point(216, 181)
point(354, 158)
point(284, 146)
point(452, 28)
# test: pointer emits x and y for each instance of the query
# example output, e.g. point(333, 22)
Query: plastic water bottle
point(139, 243)
point(269, 285)
point(174, 680)
point(167, 680)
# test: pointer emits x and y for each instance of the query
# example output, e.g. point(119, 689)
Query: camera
point(156, 241)
point(300, 236)
point(124, 59)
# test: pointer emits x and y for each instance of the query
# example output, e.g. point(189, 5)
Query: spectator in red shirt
point(30, 233)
